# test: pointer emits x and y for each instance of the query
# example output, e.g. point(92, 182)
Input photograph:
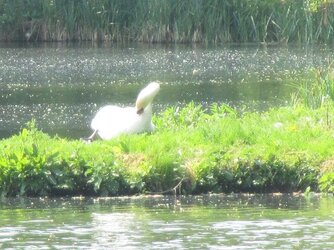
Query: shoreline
point(220, 152)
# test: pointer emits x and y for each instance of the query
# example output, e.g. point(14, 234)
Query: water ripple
point(60, 84)
point(199, 222)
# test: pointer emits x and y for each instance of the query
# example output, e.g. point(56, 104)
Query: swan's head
point(146, 96)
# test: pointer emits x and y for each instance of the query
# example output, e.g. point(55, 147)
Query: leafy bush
point(326, 182)
point(213, 150)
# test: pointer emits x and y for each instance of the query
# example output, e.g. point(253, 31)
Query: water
point(63, 86)
point(166, 222)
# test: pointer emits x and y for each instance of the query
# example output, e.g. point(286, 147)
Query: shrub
point(213, 150)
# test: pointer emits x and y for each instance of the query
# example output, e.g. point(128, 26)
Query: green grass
point(210, 21)
point(284, 149)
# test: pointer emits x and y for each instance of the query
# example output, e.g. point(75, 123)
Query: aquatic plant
point(198, 150)
point(168, 21)
point(319, 92)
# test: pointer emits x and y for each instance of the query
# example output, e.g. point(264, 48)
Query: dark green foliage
point(256, 175)
point(168, 21)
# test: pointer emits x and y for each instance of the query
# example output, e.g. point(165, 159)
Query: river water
point(62, 86)
point(168, 222)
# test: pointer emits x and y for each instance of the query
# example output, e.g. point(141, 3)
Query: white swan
point(111, 121)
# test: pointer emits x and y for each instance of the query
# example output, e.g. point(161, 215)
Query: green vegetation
point(285, 149)
point(196, 150)
point(210, 21)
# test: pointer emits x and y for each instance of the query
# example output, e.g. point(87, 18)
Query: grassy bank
point(168, 21)
point(286, 149)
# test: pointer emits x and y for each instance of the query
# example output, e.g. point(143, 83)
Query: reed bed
point(209, 21)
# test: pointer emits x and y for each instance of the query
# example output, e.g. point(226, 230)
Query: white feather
point(112, 121)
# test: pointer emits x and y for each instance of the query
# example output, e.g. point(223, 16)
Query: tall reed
point(319, 92)
point(168, 21)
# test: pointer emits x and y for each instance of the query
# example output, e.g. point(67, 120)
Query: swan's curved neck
point(146, 96)
point(147, 109)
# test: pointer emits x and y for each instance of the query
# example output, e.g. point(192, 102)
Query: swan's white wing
point(111, 121)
